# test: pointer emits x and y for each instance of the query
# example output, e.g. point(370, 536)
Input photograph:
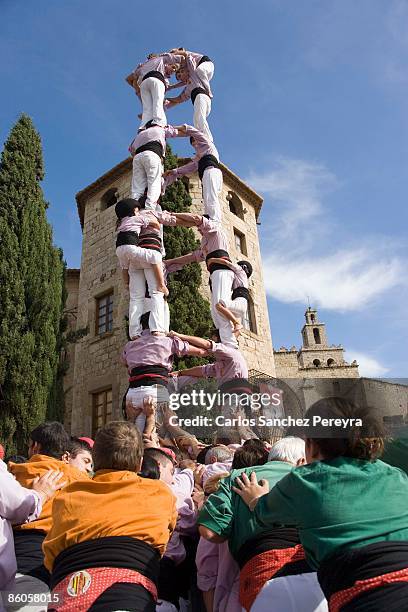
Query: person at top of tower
point(149, 80)
point(148, 150)
point(214, 246)
point(149, 360)
point(235, 309)
point(196, 75)
point(139, 250)
point(206, 161)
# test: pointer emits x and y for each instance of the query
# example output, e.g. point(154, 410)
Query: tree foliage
point(31, 290)
point(189, 311)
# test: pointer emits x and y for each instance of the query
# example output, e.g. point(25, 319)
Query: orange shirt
point(37, 466)
point(114, 503)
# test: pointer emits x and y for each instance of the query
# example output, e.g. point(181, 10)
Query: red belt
point(79, 590)
point(341, 598)
point(257, 571)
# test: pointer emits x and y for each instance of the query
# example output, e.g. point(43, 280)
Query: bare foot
point(163, 289)
point(158, 333)
point(237, 329)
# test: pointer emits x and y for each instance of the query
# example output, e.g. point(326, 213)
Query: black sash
point(150, 241)
point(29, 554)
point(124, 238)
point(112, 551)
point(341, 570)
point(275, 539)
point(148, 375)
point(240, 292)
point(152, 145)
point(196, 91)
point(240, 386)
point(219, 253)
point(205, 58)
point(207, 161)
point(155, 74)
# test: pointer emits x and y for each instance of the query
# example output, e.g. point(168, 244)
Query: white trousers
point(165, 315)
point(300, 593)
point(131, 254)
point(137, 293)
point(238, 307)
point(221, 289)
point(147, 172)
point(152, 94)
point(212, 188)
point(135, 398)
point(202, 108)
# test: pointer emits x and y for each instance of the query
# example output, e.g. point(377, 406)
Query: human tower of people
point(140, 249)
point(313, 523)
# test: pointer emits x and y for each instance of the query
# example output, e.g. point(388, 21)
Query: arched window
point(330, 362)
point(235, 205)
point(109, 198)
point(312, 318)
point(316, 363)
point(316, 335)
point(250, 317)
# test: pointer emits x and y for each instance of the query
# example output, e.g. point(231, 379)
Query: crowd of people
point(147, 517)
point(307, 524)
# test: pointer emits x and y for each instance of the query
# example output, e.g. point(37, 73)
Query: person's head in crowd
point(118, 446)
point(79, 455)
point(223, 440)
point(365, 441)
point(49, 438)
point(165, 462)
point(2, 452)
point(150, 468)
point(218, 454)
point(290, 450)
point(213, 482)
point(89, 441)
point(252, 452)
point(215, 335)
point(16, 459)
point(201, 455)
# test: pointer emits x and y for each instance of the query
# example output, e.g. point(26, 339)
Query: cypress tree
point(189, 311)
point(31, 289)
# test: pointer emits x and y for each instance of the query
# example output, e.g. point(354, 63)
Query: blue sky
point(309, 108)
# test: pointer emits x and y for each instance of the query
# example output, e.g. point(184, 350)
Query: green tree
point(31, 289)
point(189, 311)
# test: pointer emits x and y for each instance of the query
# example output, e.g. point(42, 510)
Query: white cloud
point(301, 259)
point(368, 366)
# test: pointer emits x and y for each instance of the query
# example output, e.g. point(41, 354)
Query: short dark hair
point(118, 446)
point(77, 446)
point(150, 468)
point(158, 455)
point(201, 455)
point(52, 437)
point(215, 332)
point(252, 452)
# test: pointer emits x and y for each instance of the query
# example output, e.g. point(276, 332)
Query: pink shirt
point(133, 224)
point(195, 79)
point(240, 277)
point(153, 133)
point(17, 505)
point(163, 217)
point(153, 350)
point(182, 488)
point(216, 569)
point(229, 364)
point(202, 145)
point(157, 64)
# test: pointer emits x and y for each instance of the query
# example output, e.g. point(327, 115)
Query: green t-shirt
point(396, 453)
point(227, 515)
point(342, 503)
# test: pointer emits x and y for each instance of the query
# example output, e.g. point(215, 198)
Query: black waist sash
point(113, 551)
point(240, 292)
point(155, 74)
point(150, 241)
point(207, 161)
point(152, 145)
point(274, 539)
point(124, 238)
point(219, 253)
point(341, 570)
point(196, 91)
point(205, 58)
point(148, 375)
point(240, 386)
point(29, 554)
